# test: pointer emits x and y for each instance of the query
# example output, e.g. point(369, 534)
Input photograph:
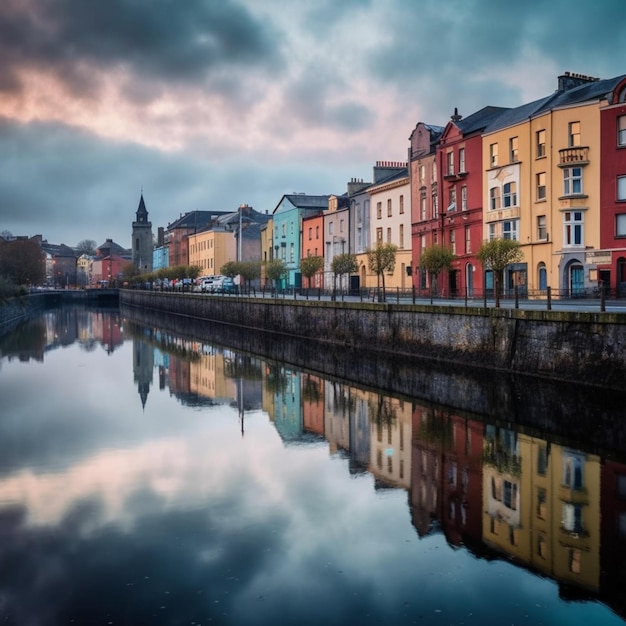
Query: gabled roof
point(588, 92)
point(304, 202)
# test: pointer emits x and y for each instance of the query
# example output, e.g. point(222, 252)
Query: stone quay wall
point(589, 348)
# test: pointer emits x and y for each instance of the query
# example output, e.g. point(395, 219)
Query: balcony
point(574, 156)
point(452, 176)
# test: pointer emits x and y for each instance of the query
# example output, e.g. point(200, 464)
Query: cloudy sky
point(208, 104)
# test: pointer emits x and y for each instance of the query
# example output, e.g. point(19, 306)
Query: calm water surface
point(151, 479)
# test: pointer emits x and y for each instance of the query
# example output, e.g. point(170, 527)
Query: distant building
point(142, 240)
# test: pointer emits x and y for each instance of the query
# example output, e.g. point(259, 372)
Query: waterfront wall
point(588, 348)
point(15, 310)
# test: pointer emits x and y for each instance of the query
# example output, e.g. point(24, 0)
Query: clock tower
point(142, 240)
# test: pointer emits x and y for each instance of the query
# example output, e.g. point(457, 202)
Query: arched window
point(510, 194)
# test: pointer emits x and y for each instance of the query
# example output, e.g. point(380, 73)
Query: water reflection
point(500, 492)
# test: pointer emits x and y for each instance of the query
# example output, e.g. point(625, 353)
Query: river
point(148, 476)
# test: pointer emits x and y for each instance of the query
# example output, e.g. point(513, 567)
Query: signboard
point(598, 257)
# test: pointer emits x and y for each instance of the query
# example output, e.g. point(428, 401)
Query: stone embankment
point(589, 348)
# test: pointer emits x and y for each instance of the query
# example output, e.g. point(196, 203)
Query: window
point(572, 517)
point(513, 150)
point(401, 236)
point(310, 234)
point(468, 240)
point(379, 210)
point(452, 199)
point(574, 134)
point(317, 232)
point(494, 198)
point(435, 205)
point(464, 198)
point(510, 229)
point(620, 225)
point(491, 231)
point(573, 471)
point(573, 228)
point(493, 155)
point(462, 160)
point(541, 186)
point(389, 207)
point(450, 163)
point(389, 235)
point(541, 143)
point(331, 228)
point(423, 207)
point(574, 560)
point(542, 232)
point(510, 194)
point(572, 181)
point(621, 187)
point(340, 226)
point(453, 241)
point(291, 253)
point(401, 205)
point(621, 130)
point(422, 173)
point(379, 235)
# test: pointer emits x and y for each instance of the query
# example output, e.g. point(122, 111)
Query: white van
point(211, 284)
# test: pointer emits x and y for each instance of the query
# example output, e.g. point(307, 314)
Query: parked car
point(217, 284)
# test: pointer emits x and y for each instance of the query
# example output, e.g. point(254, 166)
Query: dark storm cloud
point(160, 40)
point(446, 46)
point(474, 34)
point(310, 99)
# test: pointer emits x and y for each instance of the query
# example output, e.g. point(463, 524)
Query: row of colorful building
point(550, 174)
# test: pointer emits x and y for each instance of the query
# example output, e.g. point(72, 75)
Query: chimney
point(456, 117)
point(570, 80)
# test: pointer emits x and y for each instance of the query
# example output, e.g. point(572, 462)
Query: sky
point(210, 104)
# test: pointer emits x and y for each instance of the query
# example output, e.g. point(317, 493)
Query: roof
point(195, 219)
point(141, 210)
point(109, 247)
point(479, 120)
point(303, 202)
point(587, 92)
point(58, 249)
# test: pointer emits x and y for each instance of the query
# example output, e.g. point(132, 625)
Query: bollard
point(549, 298)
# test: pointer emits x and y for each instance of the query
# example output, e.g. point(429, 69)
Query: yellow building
point(211, 249)
point(541, 506)
point(207, 378)
point(542, 185)
point(267, 246)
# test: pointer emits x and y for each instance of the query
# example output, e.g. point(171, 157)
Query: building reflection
point(499, 491)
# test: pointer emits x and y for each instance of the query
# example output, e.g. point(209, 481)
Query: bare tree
point(381, 259)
